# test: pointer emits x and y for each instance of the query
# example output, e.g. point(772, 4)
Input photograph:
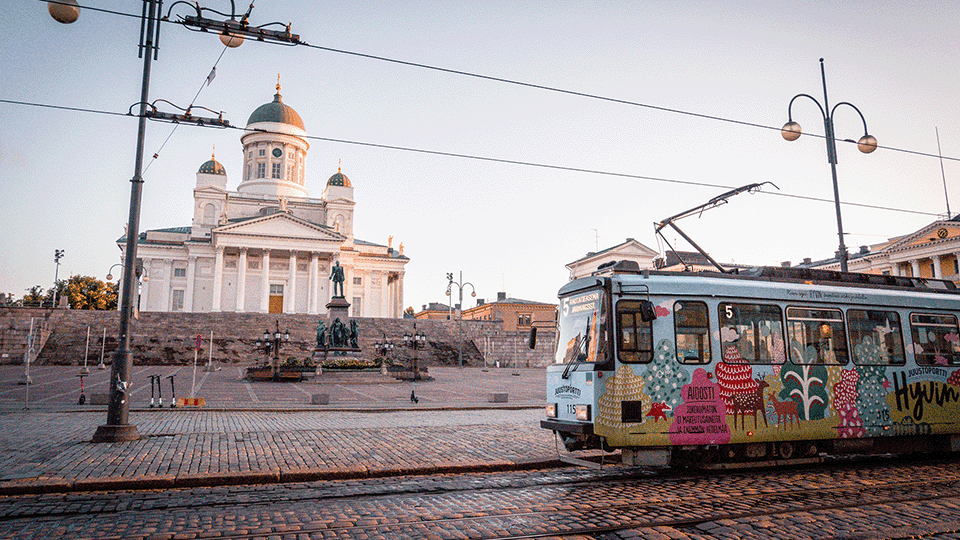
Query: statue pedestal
point(338, 307)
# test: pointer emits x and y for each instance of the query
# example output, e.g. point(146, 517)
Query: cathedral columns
point(895, 269)
point(915, 266)
point(290, 295)
point(312, 291)
point(937, 271)
point(191, 276)
point(165, 285)
point(265, 283)
point(242, 281)
point(144, 302)
point(217, 279)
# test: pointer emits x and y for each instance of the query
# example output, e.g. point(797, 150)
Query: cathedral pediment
point(936, 232)
point(279, 226)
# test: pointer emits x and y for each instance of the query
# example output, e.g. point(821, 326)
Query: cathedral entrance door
point(276, 298)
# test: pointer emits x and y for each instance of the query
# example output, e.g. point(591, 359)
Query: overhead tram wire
point(582, 170)
point(175, 126)
point(511, 162)
point(557, 90)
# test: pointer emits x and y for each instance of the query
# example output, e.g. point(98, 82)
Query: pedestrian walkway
point(368, 430)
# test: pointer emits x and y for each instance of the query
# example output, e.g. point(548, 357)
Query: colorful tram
point(771, 364)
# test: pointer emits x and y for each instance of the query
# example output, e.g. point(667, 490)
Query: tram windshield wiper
point(576, 360)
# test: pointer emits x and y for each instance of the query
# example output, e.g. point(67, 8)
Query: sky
point(696, 94)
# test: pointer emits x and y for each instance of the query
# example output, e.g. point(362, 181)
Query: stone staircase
point(16, 325)
point(169, 338)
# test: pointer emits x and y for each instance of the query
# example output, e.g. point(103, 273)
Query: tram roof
point(756, 277)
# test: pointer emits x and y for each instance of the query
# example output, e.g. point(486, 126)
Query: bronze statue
point(336, 274)
point(354, 334)
point(338, 333)
point(321, 335)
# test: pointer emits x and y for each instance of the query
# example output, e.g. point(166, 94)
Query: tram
point(770, 364)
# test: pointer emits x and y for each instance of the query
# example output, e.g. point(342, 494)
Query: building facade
point(516, 314)
point(930, 252)
point(630, 250)
point(268, 247)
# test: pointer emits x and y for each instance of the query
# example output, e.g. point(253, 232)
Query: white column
point(242, 281)
point(937, 271)
point(265, 283)
point(165, 285)
point(915, 266)
point(399, 309)
point(895, 269)
point(191, 276)
point(291, 291)
point(366, 309)
point(217, 279)
point(312, 297)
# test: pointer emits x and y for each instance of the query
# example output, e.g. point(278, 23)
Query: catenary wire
point(516, 162)
point(563, 91)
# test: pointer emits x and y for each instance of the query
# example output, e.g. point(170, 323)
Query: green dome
point(212, 167)
point(339, 179)
point(276, 111)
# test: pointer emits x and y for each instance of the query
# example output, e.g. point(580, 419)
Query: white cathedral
point(268, 247)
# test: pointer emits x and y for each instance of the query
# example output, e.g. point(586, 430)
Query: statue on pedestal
point(338, 334)
point(354, 334)
point(336, 274)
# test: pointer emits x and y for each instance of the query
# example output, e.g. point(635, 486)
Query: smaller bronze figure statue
point(338, 333)
point(321, 335)
point(354, 334)
point(336, 274)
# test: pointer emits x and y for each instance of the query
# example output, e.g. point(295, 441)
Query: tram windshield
point(582, 327)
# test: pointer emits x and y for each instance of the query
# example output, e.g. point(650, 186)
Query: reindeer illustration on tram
point(774, 365)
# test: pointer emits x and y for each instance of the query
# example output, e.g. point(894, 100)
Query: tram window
point(817, 336)
point(936, 339)
point(751, 334)
point(636, 336)
point(692, 325)
point(875, 337)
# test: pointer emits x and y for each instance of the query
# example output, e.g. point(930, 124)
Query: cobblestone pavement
point(856, 500)
point(58, 387)
point(268, 432)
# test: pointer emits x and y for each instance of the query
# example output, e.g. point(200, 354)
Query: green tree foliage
point(33, 297)
point(86, 292)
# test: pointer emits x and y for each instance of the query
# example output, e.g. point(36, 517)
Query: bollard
point(152, 401)
point(173, 399)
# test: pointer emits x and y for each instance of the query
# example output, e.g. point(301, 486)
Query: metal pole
point(86, 352)
point(103, 346)
point(832, 158)
point(460, 324)
point(118, 427)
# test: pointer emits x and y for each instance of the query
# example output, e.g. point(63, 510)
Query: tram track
point(609, 504)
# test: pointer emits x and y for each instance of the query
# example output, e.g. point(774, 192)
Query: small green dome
point(212, 167)
point(276, 111)
point(339, 179)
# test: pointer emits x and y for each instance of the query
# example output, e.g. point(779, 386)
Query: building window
point(523, 319)
point(180, 272)
point(276, 290)
point(261, 170)
point(357, 306)
point(176, 303)
point(956, 266)
point(263, 152)
point(276, 170)
point(358, 281)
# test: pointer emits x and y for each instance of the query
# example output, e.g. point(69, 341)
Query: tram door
point(276, 298)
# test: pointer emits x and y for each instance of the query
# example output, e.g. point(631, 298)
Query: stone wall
point(168, 338)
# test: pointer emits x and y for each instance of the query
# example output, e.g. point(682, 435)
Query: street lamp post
point(57, 255)
point(271, 343)
point(118, 427)
point(866, 144)
point(460, 285)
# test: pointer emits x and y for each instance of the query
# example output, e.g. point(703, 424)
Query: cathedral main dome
point(276, 111)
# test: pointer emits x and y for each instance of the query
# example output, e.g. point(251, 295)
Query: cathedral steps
point(169, 338)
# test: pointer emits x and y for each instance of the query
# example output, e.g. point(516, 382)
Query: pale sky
point(64, 175)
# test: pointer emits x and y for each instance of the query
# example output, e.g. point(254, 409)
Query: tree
point(34, 296)
point(408, 313)
point(87, 292)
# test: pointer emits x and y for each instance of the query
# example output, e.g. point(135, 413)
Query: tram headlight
point(583, 413)
point(551, 410)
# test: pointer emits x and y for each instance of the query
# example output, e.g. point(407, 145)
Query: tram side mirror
point(647, 312)
point(533, 338)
